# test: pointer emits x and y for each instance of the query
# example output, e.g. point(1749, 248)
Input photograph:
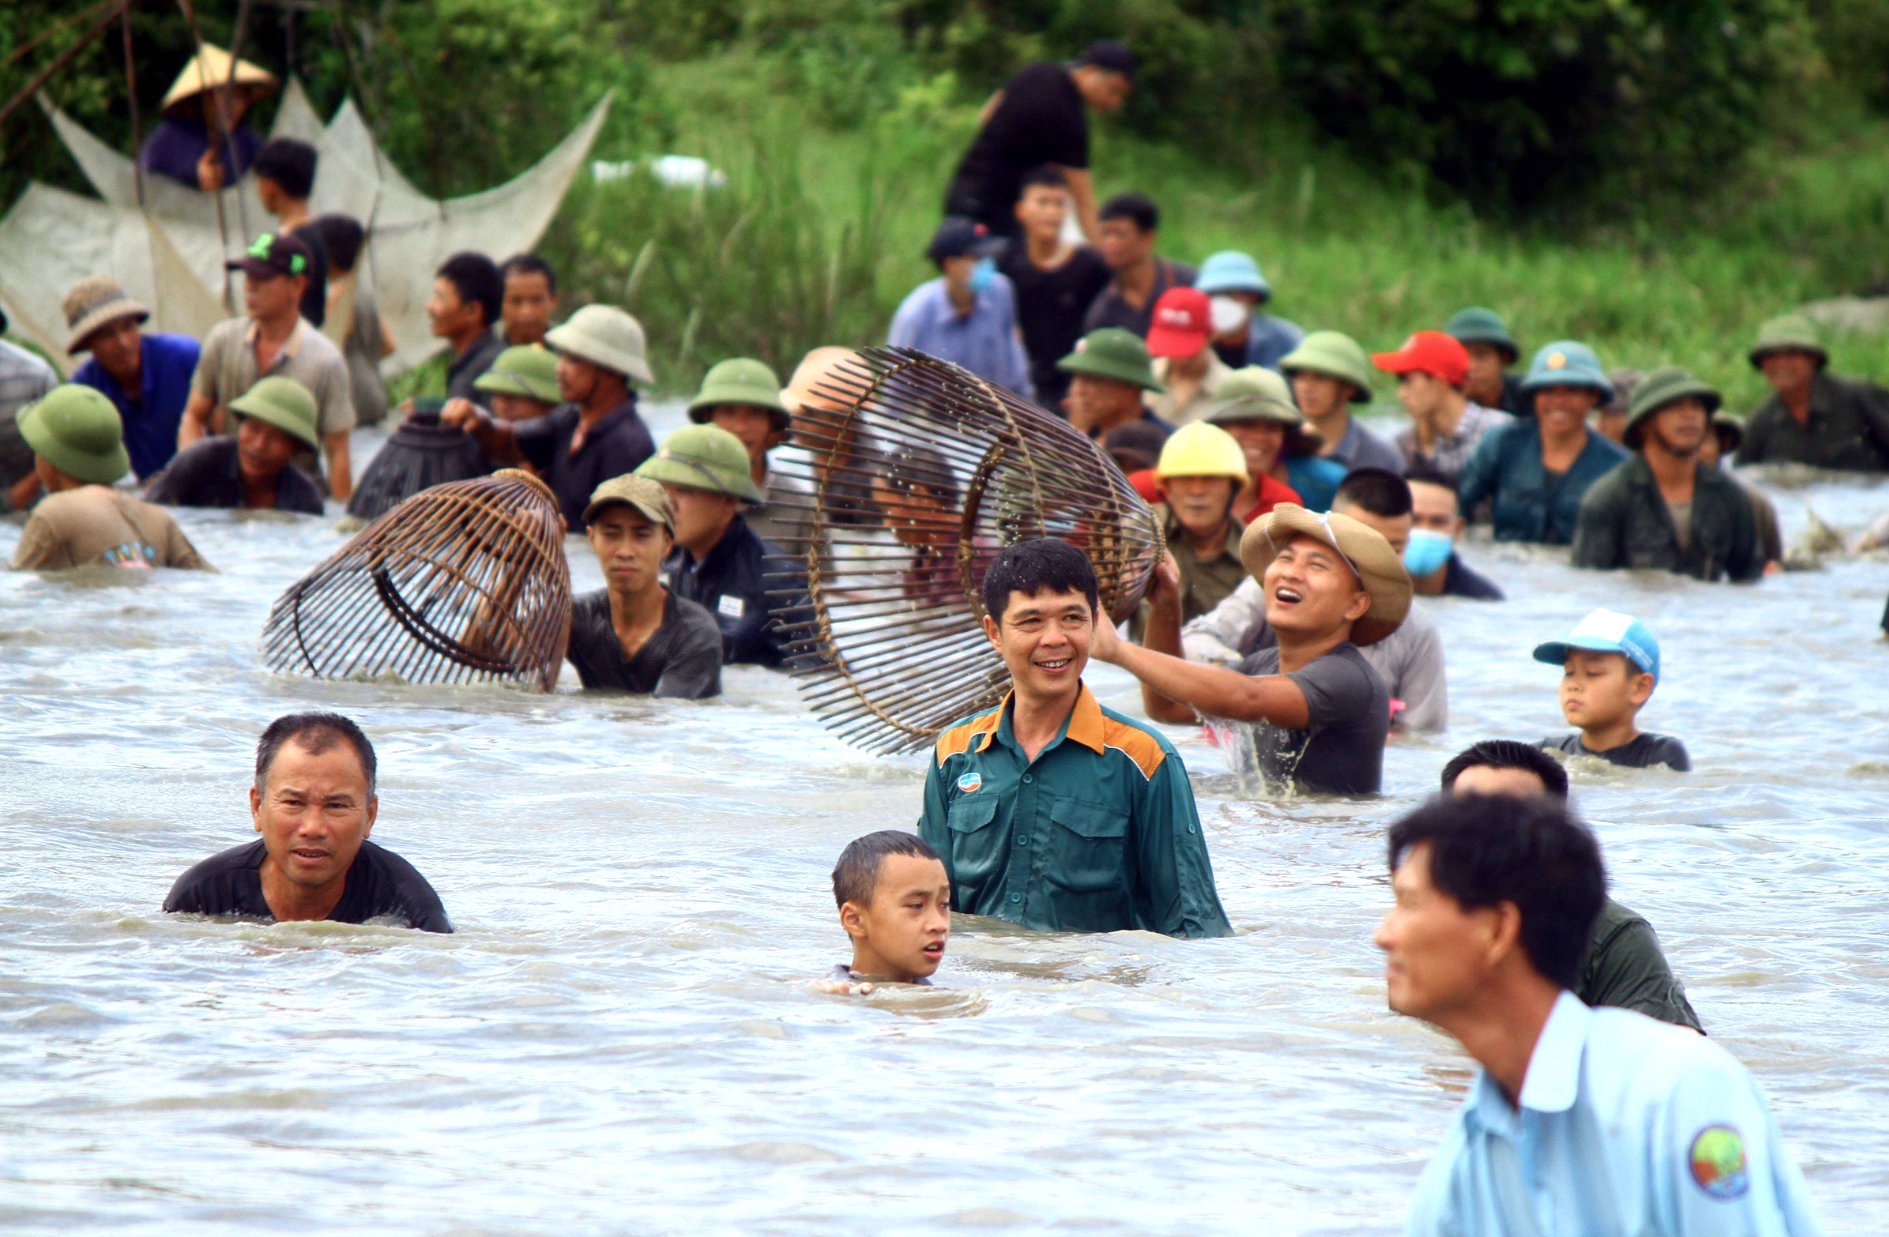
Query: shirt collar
point(1553, 1081)
point(290, 346)
point(1231, 545)
point(1083, 725)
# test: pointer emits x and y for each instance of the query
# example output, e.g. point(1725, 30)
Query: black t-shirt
point(616, 444)
point(681, 661)
point(209, 474)
point(1050, 306)
point(1342, 751)
point(1040, 120)
point(1461, 581)
point(1644, 752)
point(380, 885)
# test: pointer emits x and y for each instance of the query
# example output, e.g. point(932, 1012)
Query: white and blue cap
point(1607, 631)
point(1232, 271)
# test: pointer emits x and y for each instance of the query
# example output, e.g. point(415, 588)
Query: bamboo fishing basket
point(462, 583)
point(916, 475)
point(419, 454)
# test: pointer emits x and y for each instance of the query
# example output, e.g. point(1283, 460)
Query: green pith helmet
point(1568, 363)
point(740, 380)
point(1254, 393)
point(1730, 430)
point(607, 336)
point(704, 457)
point(285, 404)
point(1665, 385)
point(1790, 333)
point(527, 370)
point(1335, 354)
point(77, 430)
point(1477, 325)
point(1114, 353)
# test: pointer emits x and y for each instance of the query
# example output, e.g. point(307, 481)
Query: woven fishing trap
point(920, 474)
point(420, 454)
point(462, 583)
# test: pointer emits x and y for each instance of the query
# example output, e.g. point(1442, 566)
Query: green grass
point(819, 234)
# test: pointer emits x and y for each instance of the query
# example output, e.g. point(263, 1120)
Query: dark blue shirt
point(175, 146)
point(152, 416)
point(1532, 504)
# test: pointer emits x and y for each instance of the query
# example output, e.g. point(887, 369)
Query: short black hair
point(1043, 174)
point(856, 874)
point(1427, 474)
point(1490, 849)
point(1378, 490)
point(1044, 565)
point(314, 733)
point(529, 264)
point(340, 238)
point(908, 465)
point(1508, 754)
point(1138, 207)
point(478, 281)
point(290, 163)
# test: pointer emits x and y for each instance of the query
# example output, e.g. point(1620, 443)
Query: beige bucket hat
point(1378, 567)
point(94, 301)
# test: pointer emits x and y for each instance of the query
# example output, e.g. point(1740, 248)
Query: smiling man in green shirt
point(1050, 810)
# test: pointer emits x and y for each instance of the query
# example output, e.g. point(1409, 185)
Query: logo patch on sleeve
point(1718, 1161)
point(970, 782)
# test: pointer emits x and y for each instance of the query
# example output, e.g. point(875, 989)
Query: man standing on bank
point(1581, 1121)
point(1039, 119)
point(1050, 810)
point(314, 804)
point(1665, 508)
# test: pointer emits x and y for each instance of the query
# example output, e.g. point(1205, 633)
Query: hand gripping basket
point(462, 583)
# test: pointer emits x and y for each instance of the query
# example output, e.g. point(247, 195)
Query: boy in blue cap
point(1609, 668)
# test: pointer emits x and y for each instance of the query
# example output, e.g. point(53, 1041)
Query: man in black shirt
point(1038, 119)
point(1332, 583)
point(468, 293)
point(314, 805)
point(597, 435)
point(254, 467)
point(633, 634)
point(1055, 281)
point(1130, 229)
point(718, 561)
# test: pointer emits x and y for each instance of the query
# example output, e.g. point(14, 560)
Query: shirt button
point(1023, 839)
point(1027, 779)
point(1016, 897)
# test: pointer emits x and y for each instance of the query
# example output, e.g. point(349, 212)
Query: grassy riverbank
point(818, 234)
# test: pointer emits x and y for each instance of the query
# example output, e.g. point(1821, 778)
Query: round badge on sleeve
point(1718, 1161)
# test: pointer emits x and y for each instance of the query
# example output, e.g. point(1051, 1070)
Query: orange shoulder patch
point(957, 740)
point(1135, 743)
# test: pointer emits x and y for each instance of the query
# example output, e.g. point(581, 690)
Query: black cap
point(957, 236)
point(1110, 55)
point(274, 253)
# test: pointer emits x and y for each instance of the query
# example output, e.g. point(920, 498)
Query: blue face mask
point(983, 273)
point(1427, 551)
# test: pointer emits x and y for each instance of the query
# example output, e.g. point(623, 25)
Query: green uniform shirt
point(1097, 834)
point(1848, 428)
point(1624, 968)
point(1625, 522)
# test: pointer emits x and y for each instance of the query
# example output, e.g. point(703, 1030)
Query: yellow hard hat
point(1201, 450)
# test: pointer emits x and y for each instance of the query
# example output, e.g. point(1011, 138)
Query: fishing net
point(421, 454)
point(918, 474)
point(462, 583)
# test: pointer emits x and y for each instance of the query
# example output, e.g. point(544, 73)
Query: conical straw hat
point(211, 68)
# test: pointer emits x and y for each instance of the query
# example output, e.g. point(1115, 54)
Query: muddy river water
point(619, 1037)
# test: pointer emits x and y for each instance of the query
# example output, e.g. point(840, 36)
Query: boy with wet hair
point(1609, 668)
point(894, 899)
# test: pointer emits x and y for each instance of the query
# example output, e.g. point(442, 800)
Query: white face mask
point(1228, 314)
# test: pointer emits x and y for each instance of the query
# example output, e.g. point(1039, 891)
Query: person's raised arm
point(340, 467)
point(496, 438)
point(1163, 635)
point(198, 419)
point(1082, 189)
point(1208, 690)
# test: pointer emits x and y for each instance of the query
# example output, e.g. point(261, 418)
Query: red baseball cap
point(1182, 323)
point(1428, 352)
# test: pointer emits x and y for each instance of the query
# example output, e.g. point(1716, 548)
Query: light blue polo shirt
point(1627, 1127)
